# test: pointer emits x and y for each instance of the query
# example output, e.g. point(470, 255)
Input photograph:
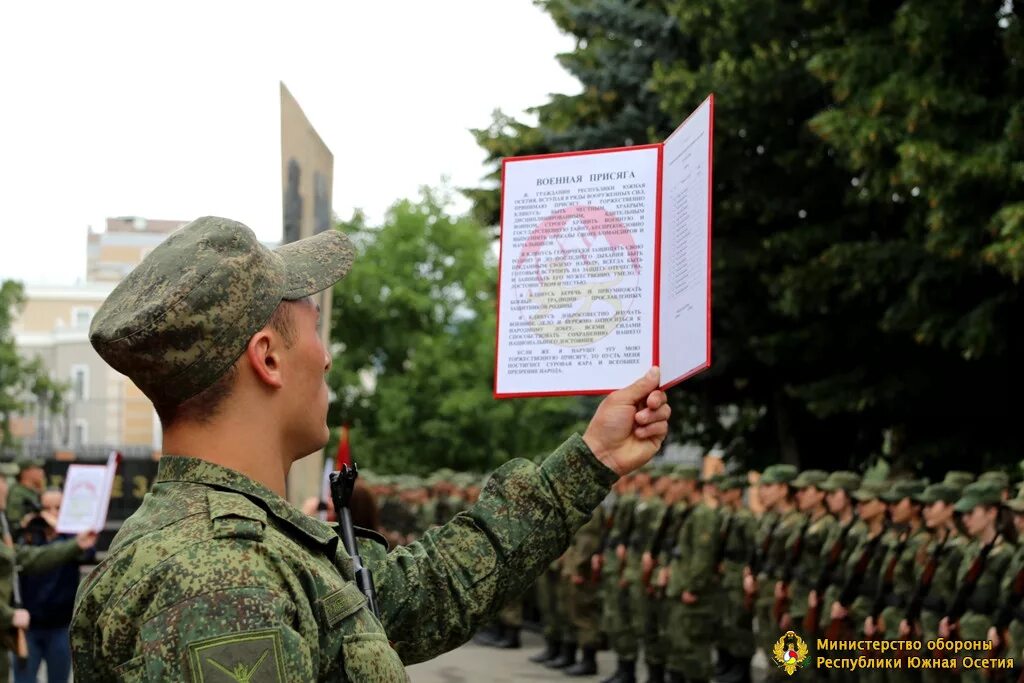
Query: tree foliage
point(868, 217)
point(21, 381)
point(413, 368)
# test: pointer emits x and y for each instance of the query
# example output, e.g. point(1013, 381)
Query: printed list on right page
point(685, 308)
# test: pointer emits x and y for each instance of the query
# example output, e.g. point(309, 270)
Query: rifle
point(609, 524)
point(963, 594)
point(1005, 614)
point(656, 542)
point(835, 554)
point(723, 538)
point(20, 642)
point(913, 613)
point(838, 628)
point(342, 485)
point(781, 604)
point(757, 559)
point(885, 587)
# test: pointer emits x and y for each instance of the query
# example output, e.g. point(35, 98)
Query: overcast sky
point(171, 110)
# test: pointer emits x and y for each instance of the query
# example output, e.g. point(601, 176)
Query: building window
point(80, 382)
point(81, 316)
point(81, 432)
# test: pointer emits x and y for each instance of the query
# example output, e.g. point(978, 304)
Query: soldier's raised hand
point(630, 424)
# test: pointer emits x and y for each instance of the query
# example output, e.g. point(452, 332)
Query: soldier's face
point(837, 501)
point(871, 509)
point(901, 511)
point(809, 498)
point(1018, 521)
point(307, 363)
point(979, 519)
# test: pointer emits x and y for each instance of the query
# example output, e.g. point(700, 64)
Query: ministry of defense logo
point(790, 653)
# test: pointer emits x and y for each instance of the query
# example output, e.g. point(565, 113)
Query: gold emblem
point(241, 673)
point(790, 653)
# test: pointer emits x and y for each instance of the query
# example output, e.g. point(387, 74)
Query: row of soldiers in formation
point(673, 568)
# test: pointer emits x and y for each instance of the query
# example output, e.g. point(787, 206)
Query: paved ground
point(475, 663)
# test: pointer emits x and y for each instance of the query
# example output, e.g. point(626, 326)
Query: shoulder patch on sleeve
point(249, 657)
point(235, 516)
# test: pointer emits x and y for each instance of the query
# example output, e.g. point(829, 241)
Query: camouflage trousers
point(585, 613)
point(649, 616)
point(689, 633)
point(736, 621)
point(552, 611)
point(617, 619)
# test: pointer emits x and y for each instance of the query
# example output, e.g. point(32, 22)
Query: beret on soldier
point(736, 481)
point(778, 474)
point(179, 321)
point(28, 463)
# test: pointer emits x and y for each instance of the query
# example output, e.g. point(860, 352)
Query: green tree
point(413, 370)
point(20, 378)
point(852, 313)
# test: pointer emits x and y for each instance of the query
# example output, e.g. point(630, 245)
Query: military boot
point(567, 657)
point(550, 651)
point(625, 673)
point(489, 635)
point(587, 666)
point(510, 639)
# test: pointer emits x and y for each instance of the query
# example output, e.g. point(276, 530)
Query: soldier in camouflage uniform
point(217, 574)
point(903, 556)
point(848, 613)
point(771, 543)
point(656, 558)
point(584, 594)
point(29, 560)
point(804, 556)
point(979, 506)
point(736, 646)
point(616, 618)
point(689, 583)
point(24, 497)
point(839, 544)
point(944, 550)
point(651, 512)
point(1011, 591)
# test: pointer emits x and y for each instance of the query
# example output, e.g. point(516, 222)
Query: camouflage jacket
point(30, 560)
point(693, 557)
point(740, 537)
point(806, 569)
point(21, 501)
point(215, 575)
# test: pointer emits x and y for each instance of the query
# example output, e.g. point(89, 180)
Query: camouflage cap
point(810, 478)
point(870, 490)
point(28, 463)
point(1016, 505)
point(958, 478)
point(843, 479)
point(978, 493)
point(947, 493)
point(736, 481)
point(778, 474)
point(687, 473)
point(999, 479)
point(179, 321)
point(903, 489)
